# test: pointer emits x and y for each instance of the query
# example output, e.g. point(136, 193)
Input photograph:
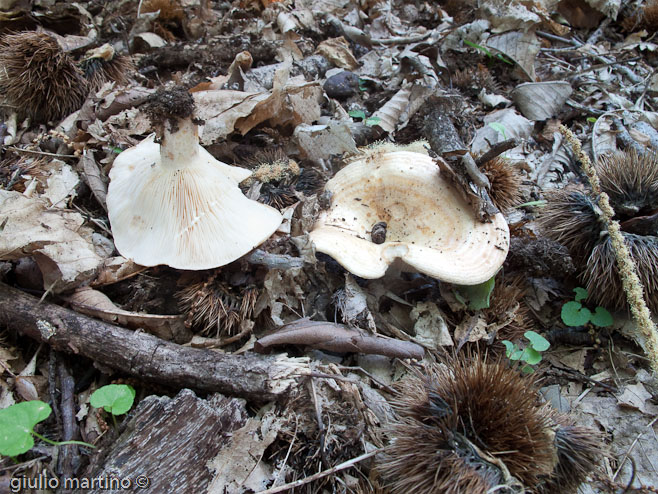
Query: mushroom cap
point(188, 217)
point(430, 226)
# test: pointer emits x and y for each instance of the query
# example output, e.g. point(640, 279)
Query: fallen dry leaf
point(636, 396)
point(338, 52)
point(520, 47)
point(96, 304)
point(56, 238)
point(240, 467)
point(541, 100)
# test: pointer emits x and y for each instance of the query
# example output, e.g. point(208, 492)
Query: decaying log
point(167, 443)
point(249, 376)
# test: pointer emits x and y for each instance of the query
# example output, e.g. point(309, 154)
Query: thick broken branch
point(143, 355)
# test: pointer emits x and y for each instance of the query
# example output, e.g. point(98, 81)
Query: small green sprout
point(487, 52)
point(17, 427)
point(498, 127)
point(540, 203)
point(591, 119)
point(476, 297)
point(361, 115)
point(116, 399)
point(574, 314)
point(531, 354)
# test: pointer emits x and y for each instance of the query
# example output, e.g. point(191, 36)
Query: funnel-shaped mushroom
point(177, 205)
point(429, 225)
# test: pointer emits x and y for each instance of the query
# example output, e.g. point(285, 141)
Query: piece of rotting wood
point(166, 444)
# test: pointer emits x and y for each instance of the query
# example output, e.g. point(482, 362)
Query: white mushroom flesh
point(430, 227)
point(177, 205)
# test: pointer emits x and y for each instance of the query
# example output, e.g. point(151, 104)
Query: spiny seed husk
point(508, 308)
point(98, 71)
point(448, 417)
point(505, 183)
point(38, 79)
point(601, 275)
point(570, 218)
point(579, 450)
point(631, 181)
point(215, 308)
point(281, 177)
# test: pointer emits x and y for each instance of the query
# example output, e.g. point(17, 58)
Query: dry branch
point(249, 376)
point(338, 338)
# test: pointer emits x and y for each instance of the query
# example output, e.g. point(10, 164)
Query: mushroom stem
point(180, 144)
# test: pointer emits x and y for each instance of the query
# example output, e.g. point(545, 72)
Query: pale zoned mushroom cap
point(189, 217)
point(430, 226)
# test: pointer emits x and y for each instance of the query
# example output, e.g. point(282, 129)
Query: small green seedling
point(116, 399)
point(531, 354)
point(541, 203)
point(487, 52)
point(498, 127)
point(574, 314)
point(361, 115)
point(17, 427)
point(476, 297)
point(591, 119)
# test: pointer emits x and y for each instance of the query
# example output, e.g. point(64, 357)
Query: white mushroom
point(430, 227)
point(175, 204)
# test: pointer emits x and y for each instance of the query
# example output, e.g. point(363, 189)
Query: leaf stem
point(62, 443)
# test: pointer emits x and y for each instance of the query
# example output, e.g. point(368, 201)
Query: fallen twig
point(324, 473)
point(140, 354)
point(338, 338)
point(274, 261)
point(496, 150)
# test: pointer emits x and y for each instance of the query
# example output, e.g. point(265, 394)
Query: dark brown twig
point(69, 458)
point(496, 150)
point(338, 338)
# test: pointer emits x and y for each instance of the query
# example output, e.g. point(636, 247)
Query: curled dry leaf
point(511, 124)
point(115, 269)
point(389, 114)
point(92, 175)
point(541, 100)
point(96, 304)
point(337, 338)
point(520, 47)
point(60, 244)
point(338, 52)
point(319, 143)
point(508, 16)
point(430, 326)
point(288, 103)
point(235, 470)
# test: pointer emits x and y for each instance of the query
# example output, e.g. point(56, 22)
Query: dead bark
point(249, 376)
point(166, 445)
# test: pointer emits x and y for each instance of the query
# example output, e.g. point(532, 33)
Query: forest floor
point(297, 351)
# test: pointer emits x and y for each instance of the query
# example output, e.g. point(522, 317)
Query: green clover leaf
point(116, 399)
point(17, 423)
